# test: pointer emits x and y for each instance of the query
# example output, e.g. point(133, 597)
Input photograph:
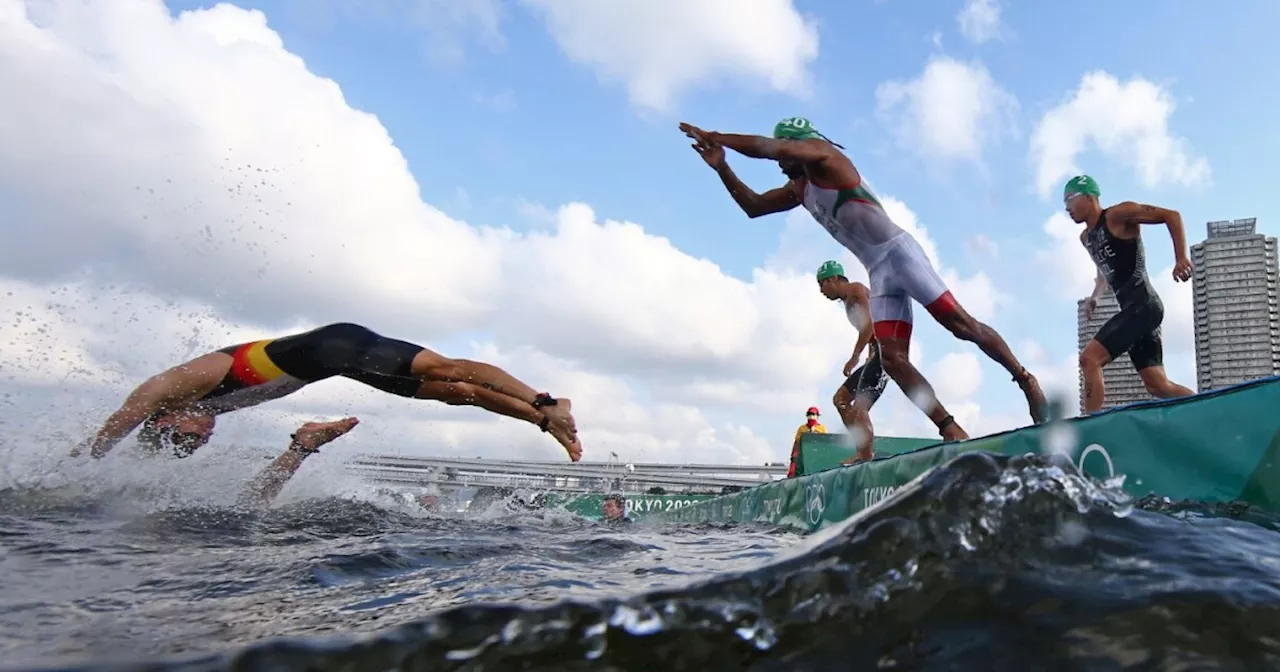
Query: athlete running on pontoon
point(177, 408)
point(1113, 238)
point(826, 183)
point(864, 384)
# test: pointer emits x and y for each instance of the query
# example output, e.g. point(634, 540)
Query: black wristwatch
point(544, 399)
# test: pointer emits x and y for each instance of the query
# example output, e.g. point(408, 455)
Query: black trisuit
point(1136, 328)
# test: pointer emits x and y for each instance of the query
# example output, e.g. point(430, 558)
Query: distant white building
point(1237, 321)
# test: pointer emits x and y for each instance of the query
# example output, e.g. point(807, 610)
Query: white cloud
point(803, 245)
point(907, 219)
point(447, 22)
point(499, 101)
point(1128, 122)
point(661, 48)
point(950, 112)
point(981, 244)
point(979, 20)
point(1058, 377)
point(450, 28)
point(977, 293)
point(962, 376)
point(1065, 259)
point(215, 173)
point(222, 192)
point(183, 182)
point(1178, 331)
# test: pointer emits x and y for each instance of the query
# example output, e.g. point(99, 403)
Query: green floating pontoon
point(1219, 446)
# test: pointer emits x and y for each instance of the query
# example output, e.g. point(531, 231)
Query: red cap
point(813, 410)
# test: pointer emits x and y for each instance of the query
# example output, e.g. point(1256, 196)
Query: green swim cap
point(1081, 184)
point(830, 269)
point(795, 128)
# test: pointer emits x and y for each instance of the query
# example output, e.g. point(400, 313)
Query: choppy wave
point(988, 563)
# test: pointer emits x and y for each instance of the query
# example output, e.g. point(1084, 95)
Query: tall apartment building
point(1123, 386)
point(1237, 321)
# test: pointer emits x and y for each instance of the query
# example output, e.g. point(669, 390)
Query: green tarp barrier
point(820, 452)
point(1214, 447)
point(637, 506)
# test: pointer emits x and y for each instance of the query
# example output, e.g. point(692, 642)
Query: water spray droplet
point(1059, 436)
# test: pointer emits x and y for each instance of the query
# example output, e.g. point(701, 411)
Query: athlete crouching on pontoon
point(823, 180)
point(176, 408)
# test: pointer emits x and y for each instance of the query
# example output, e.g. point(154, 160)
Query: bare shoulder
point(1129, 212)
point(840, 167)
point(1123, 211)
point(194, 375)
point(216, 362)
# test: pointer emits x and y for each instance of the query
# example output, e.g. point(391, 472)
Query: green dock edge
point(1218, 446)
point(638, 507)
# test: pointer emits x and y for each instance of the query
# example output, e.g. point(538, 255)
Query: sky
point(505, 181)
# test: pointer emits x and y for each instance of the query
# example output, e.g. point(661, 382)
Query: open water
point(987, 564)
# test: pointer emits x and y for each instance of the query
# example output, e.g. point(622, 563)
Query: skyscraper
point(1122, 384)
point(1237, 322)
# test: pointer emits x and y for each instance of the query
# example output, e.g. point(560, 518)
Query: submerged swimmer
point(176, 409)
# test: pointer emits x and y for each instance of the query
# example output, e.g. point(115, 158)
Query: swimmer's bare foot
point(858, 458)
point(312, 435)
point(561, 425)
point(1035, 396)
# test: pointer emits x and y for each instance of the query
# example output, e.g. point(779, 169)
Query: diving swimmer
point(176, 408)
point(829, 186)
point(1113, 238)
point(864, 384)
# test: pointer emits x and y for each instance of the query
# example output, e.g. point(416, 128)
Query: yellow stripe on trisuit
point(263, 366)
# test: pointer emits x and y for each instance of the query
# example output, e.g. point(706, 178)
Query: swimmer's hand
point(311, 435)
point(696, 134)
point(561, 425)
point(79, 448)
point(1182, 269)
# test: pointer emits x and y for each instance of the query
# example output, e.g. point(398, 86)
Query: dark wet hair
point(149, 435)
point(616, 498)
point(156, 438)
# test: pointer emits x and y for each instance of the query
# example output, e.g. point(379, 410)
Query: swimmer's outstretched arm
point(264, 488)
point(142, 402)
point(433, 367)
point(761, 147)
point(465, 381)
